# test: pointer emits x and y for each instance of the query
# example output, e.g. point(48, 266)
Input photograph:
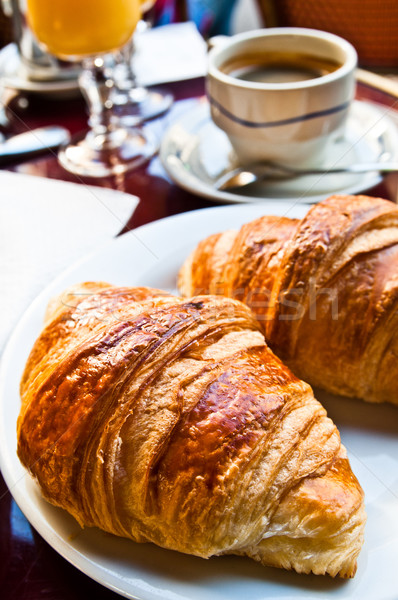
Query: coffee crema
point(278, 67)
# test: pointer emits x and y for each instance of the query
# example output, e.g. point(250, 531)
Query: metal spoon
point(243, 176)
point(31, 143)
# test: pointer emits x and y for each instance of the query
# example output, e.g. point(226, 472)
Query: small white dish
point(195, 153)
point(151, 256)
point(12, 76)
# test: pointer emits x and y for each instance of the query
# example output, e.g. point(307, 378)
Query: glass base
point(98, 155)
point(139, 104)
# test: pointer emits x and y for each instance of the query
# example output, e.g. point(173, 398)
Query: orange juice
point(77, 28)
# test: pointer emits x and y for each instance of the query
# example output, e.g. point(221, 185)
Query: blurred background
point(370, 26)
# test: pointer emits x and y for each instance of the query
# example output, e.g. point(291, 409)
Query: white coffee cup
point(290, 113)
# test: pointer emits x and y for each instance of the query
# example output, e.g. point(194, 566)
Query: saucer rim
point(191, 182)
point(12, 80)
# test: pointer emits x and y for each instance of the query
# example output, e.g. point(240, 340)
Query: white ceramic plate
point(151, 255)
point(195, 153)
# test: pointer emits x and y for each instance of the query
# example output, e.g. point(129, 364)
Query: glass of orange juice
point(87, 32)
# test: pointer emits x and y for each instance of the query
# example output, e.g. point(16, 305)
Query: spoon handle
point(243, 176)
point(387, 167)
point(275, 170)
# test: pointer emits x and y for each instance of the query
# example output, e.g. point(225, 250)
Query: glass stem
point(127, 89)
point(96, 86)
point(126, 55)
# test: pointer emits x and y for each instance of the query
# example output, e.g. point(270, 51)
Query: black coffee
point(279, 67)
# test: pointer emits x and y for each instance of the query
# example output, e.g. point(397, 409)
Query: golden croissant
point(324, 289)
point(169, 420)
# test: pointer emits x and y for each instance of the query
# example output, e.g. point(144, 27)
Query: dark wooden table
point(29, 568)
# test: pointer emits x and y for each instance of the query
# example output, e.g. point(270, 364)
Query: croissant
point(324, 289)
point(169, 420)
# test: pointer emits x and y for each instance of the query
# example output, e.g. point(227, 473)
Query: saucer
point(195, 153)
point(13, 77)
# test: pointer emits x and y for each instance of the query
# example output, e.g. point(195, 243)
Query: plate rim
point(56, 541)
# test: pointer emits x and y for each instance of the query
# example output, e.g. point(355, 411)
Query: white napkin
point(169, 53)
point(45, 225)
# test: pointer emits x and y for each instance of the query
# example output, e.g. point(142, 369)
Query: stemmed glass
point(87, 32)
point(136, 103)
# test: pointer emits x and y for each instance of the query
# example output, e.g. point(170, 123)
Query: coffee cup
point(281, 94)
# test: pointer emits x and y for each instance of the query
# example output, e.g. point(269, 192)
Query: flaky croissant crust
point(170, 420)
point(324, 289)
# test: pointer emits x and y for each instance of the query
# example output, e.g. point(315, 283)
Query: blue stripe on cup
point(266, 124)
